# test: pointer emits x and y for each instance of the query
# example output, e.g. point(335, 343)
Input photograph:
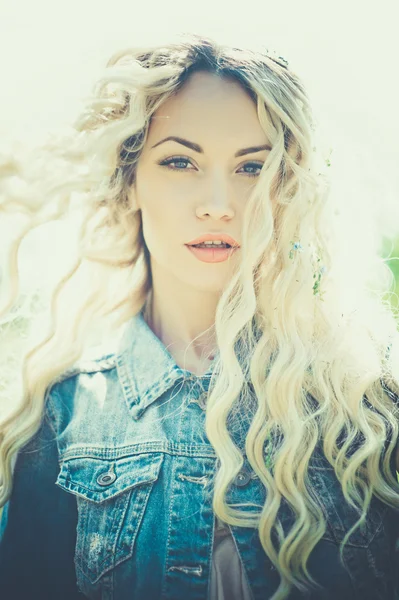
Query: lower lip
point(212, 255)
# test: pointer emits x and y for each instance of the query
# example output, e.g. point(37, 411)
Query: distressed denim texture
point(112, 498)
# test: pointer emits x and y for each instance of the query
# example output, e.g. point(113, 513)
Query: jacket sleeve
point(38, 527)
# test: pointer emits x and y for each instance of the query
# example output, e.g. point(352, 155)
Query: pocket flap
point(98, 479)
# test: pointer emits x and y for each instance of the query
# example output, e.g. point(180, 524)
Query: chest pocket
point(111, 500)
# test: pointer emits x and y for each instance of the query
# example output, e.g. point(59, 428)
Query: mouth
point(212, 254)
point(207, 246)
point(214, 238)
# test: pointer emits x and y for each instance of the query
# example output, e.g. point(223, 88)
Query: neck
point(194, 350)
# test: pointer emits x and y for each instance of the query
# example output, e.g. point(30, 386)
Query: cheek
point(161, 204)
point(162, 223)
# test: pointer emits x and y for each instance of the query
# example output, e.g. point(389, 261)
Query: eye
point(174, 160)
point(253, 165)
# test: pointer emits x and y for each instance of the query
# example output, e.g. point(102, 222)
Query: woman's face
point(206, 188)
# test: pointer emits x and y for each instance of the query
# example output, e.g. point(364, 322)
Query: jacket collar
point(150, 368)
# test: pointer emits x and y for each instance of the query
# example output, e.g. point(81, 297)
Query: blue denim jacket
point(112, 498)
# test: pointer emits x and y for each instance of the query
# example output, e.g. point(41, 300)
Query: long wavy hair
point(320, 367)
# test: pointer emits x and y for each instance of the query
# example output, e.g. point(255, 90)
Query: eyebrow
point(198, 148)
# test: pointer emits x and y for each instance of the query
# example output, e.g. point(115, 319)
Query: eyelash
point(174, 159)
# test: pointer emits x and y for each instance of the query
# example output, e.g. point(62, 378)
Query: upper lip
point(209, 237)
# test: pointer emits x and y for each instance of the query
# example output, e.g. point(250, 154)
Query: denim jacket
point(112, 498)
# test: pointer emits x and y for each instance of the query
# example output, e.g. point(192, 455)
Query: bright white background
point(346, 52)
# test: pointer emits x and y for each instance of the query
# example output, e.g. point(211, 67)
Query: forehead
point(202, 83)
point(207, 103)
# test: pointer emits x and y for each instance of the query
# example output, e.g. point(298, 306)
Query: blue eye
point(174, 160)
point(181, 159)
point(253, 166)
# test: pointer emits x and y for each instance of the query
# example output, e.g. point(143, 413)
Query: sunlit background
point(346, 52)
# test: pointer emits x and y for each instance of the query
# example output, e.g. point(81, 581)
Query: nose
point(217, 199)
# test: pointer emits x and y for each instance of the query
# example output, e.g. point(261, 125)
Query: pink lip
point(212, 255)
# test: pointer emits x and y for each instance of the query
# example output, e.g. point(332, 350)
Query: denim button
point(106, 478)
point(242, 477)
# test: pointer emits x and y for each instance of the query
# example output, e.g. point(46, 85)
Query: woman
point(240, 439)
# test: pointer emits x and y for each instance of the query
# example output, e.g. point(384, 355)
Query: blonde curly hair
point(319, 369)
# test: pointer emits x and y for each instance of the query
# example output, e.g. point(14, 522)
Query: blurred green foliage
point(390, 247)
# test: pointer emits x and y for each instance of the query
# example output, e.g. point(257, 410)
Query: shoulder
point(91, 361)
point(62, 393)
